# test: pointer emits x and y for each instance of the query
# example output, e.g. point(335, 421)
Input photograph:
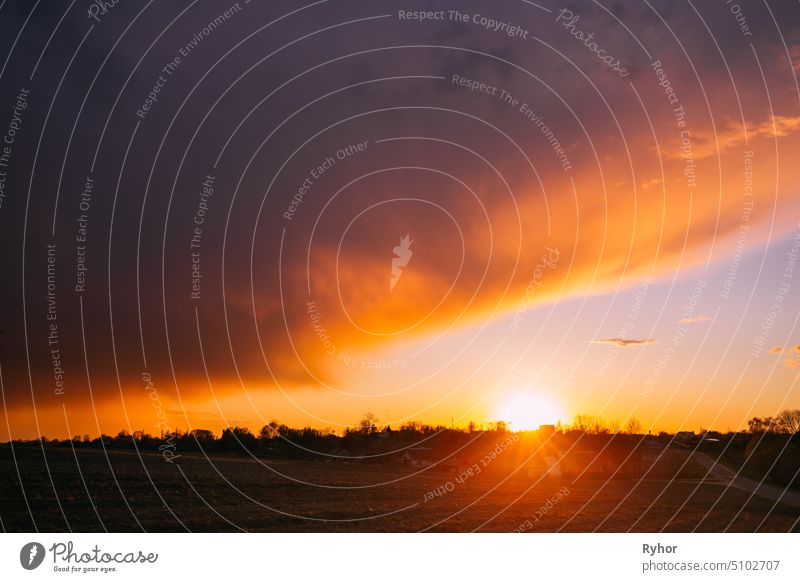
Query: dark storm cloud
point(254, 322)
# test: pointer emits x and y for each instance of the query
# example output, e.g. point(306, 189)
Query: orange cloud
point(731, 134)
point(624, 343)
point(793, 359)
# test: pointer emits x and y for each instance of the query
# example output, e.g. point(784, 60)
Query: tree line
point(367, 436)
point(785, 422)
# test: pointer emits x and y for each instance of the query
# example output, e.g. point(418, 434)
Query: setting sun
point(527, 410)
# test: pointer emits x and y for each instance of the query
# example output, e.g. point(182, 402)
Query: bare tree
point(589, 424)
point(633, 426)
point(788, 421)
point(368, 424)
point(758, 425)
point(599, 426)
point(501, 426)
point(582, 423)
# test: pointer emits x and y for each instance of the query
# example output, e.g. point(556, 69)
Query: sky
point(221, 214)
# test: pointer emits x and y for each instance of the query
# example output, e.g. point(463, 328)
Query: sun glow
point(527, 410)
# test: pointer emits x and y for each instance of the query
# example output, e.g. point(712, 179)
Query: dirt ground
point(89, 490)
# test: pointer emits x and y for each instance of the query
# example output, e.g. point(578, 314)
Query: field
point(91, 490)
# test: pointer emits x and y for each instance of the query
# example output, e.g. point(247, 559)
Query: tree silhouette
point(368, 424)
point(633, 426)
point(788, 421)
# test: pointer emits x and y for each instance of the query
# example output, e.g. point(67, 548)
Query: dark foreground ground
point(89, 490)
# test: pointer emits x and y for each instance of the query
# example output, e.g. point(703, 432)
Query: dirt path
point(730, 478)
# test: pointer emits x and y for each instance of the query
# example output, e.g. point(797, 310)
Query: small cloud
point(780, 350)
point(623, 343)
point(731, 134)
point(652, 183)
point(792, 358)
point(694, 319)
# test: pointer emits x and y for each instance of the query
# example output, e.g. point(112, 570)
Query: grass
point(125, 492)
